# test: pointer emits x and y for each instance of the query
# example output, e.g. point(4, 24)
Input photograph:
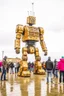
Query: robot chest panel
point(33, 31)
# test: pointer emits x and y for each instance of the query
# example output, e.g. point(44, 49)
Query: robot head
point(31, 20)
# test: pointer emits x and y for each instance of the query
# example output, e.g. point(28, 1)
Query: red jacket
point(61, 64)
point(0, 63)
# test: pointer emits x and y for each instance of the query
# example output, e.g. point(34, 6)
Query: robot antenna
point(28, 13)
point(33, 9)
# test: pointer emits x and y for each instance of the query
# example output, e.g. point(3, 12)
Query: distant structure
point(14, 60)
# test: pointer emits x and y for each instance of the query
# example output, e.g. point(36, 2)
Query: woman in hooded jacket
point(61, 69)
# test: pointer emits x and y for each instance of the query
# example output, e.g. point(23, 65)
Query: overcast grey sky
point(49, 15)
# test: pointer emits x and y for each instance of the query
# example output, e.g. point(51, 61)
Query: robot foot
point(24, 72)
point(38, 68)
point(40, 72)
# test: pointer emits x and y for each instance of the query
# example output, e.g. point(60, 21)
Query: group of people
point(5, 66)
point(53, 68)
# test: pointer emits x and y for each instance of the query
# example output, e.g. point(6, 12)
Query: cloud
point(57, 26)
point(51, 14)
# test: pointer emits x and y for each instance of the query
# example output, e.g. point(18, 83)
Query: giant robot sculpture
point(30, 35)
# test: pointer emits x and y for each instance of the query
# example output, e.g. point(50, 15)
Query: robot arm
point(19, 31)
point(43, 45)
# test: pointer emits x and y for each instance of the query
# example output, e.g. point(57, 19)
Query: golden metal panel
point(31, 33)
point(18, 35)
point(17, 43)
point(19, 28)
point(31, 20)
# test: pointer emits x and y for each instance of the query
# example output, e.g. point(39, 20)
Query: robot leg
point(38, 66)
point(24, 65)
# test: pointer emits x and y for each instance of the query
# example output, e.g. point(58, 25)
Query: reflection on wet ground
point(31, 86)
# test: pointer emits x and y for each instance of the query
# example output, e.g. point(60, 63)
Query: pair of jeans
point(3, 74)
point(56, 73)
point(16, 69)
point(11, 71)
point(49, 75)
point(61, 76)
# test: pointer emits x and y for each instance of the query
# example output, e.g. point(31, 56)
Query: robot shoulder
point(41, 30)
point(19, 28)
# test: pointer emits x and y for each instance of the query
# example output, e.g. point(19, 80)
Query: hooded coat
point(0, 63)
point(61, 64)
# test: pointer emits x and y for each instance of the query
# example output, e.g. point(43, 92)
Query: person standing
point(49, 69)
point(44, 66)
point(61, 69)
point(11, 67)
point(55, 69)
point(4, 68)
point(0, 65)
point(32, 66)
point(16, 65)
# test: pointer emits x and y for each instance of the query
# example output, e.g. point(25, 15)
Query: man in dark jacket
point(49, 69)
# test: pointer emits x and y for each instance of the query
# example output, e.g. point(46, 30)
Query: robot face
point(31, 20)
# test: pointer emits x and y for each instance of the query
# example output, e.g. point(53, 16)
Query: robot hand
point(17, 50)
point(45, 53)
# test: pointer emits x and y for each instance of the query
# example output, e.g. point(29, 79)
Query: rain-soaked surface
point(31, 86)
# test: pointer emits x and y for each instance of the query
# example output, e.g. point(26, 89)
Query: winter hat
point(62, 56)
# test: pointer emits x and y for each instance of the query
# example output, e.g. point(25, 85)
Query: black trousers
point(0, 69)
point(61, 76)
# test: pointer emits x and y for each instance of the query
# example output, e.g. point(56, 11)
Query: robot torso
point(30, 34)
